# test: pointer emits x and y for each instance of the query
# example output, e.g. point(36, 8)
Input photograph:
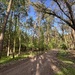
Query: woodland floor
point(45, 64)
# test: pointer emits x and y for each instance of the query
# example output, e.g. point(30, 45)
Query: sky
point(48, 3)
point(33, 14)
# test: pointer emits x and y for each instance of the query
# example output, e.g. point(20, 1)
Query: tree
point(9, 33)
point(64, 6)
point(16, 6)
point(73, 38)
point(4, 26)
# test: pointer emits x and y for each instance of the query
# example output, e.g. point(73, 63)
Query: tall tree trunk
point(73, 38)
point(15, 34)
point(19, 44)
point(19, 34)
point(39, 29)
point(9, 34)
point(4, 27)
point(14, 48)
point(8, 51)
point(48, 36)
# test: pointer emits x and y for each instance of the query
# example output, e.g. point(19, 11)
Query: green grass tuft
point(67, 68)
point(8, 59)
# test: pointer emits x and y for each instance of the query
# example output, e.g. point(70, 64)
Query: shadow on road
point(45, 64)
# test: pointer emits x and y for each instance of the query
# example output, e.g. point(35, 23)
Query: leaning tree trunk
point(4, 27)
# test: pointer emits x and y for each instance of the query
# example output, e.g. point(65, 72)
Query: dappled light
point(37, 37)
point(47, 63)
point(37, 69)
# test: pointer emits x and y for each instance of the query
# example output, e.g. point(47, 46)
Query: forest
point(32, 29)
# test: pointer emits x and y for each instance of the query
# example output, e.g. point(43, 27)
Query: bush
point(63, 46)
point(50, 45)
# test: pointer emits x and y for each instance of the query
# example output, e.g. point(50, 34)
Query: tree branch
point(70, 12)
point(61, 9)
point(43, 9)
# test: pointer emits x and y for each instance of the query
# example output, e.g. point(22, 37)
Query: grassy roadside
point(5, 60)
point(68, 67)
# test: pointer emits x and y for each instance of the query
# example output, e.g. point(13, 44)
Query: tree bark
point(4, 27)
point(14, 48)
point(73, 38)
point(19, 44)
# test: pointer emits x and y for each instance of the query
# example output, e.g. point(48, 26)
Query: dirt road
point(45, 64)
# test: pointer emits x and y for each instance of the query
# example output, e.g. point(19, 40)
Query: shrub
point(63, 46)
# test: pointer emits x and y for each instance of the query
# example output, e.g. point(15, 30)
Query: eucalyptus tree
point(4, 26)
point(39, 19)
point(9, 33)
point(32, 27)
point(64, 6)
point(2, 13)
point(73, 38)
point(12, 5)
point(19, 35)
point(49, 21)
point(57, 8)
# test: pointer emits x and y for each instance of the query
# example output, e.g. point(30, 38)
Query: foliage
point(63, 46)
point(66, 68)
point(24, 32)
point(5, 60)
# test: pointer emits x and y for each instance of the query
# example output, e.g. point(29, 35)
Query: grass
point(64, 57)
point(5, 60)
point(67, 68)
